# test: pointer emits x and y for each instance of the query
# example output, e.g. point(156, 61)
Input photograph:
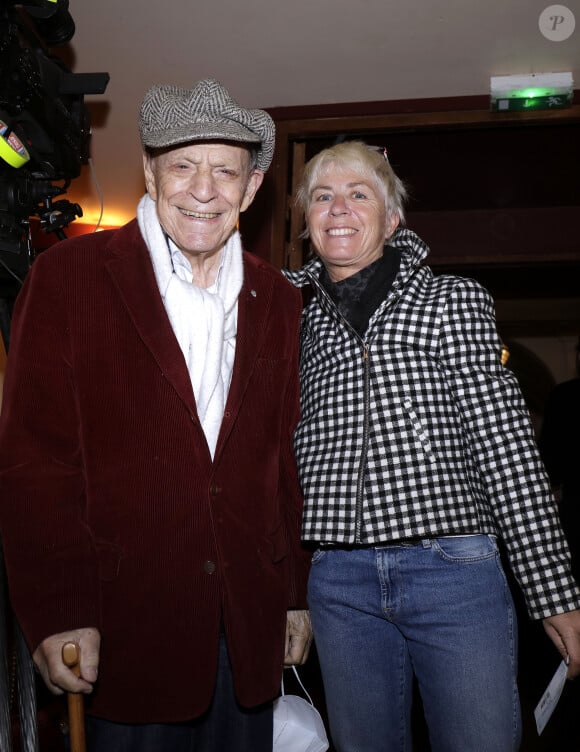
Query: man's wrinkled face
point(200, 189)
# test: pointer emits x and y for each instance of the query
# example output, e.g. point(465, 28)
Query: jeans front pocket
point(466, 548)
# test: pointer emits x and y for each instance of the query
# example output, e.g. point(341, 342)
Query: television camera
point(44, 131)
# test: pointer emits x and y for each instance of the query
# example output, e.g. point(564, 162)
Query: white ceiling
point(301, 52)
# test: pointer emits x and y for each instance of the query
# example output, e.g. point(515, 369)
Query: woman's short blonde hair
point(370, 161)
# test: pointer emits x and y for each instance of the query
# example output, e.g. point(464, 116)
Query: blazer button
point(209, 567)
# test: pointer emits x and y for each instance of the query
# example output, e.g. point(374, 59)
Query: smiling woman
point(415, 454)
point(348, 222)
point(353, 203)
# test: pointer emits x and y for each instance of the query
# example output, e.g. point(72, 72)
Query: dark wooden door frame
point(292, 133)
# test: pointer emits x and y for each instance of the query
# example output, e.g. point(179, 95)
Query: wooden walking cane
point(76, 710)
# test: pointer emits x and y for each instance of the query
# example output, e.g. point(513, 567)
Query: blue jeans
point(225, 726)
point(440, 610)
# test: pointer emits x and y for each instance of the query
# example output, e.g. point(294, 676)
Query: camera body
point(44, 126)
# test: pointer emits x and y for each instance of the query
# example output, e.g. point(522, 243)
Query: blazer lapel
point(132, 274)
point(254, 305)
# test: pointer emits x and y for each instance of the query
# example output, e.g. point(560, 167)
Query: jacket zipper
point(366, 414)
point(363, 461)
point(391, 299)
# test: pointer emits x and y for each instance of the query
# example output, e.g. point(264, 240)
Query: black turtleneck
point(357, 297)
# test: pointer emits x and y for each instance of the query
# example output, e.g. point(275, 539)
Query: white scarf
point(205, 324)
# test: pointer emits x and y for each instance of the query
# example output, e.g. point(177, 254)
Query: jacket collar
point(413, 252)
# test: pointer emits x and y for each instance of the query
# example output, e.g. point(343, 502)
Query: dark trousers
point(225, 727)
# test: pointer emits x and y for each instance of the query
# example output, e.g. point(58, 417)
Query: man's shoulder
point(259, 266)
point(93, 239)
point(253, 261)
point(81, 248)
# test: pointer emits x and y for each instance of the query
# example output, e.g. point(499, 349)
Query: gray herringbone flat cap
point(171, 115)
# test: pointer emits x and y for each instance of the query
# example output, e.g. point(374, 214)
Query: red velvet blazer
point(112, 512)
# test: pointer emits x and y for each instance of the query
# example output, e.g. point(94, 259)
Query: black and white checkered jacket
point(417, 430)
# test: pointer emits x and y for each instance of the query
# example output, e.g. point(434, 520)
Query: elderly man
point(149, 502)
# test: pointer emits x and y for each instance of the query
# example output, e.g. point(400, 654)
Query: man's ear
point(149, 175)
point(254, 182)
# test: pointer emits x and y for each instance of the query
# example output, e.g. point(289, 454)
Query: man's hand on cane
point(57, 676)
